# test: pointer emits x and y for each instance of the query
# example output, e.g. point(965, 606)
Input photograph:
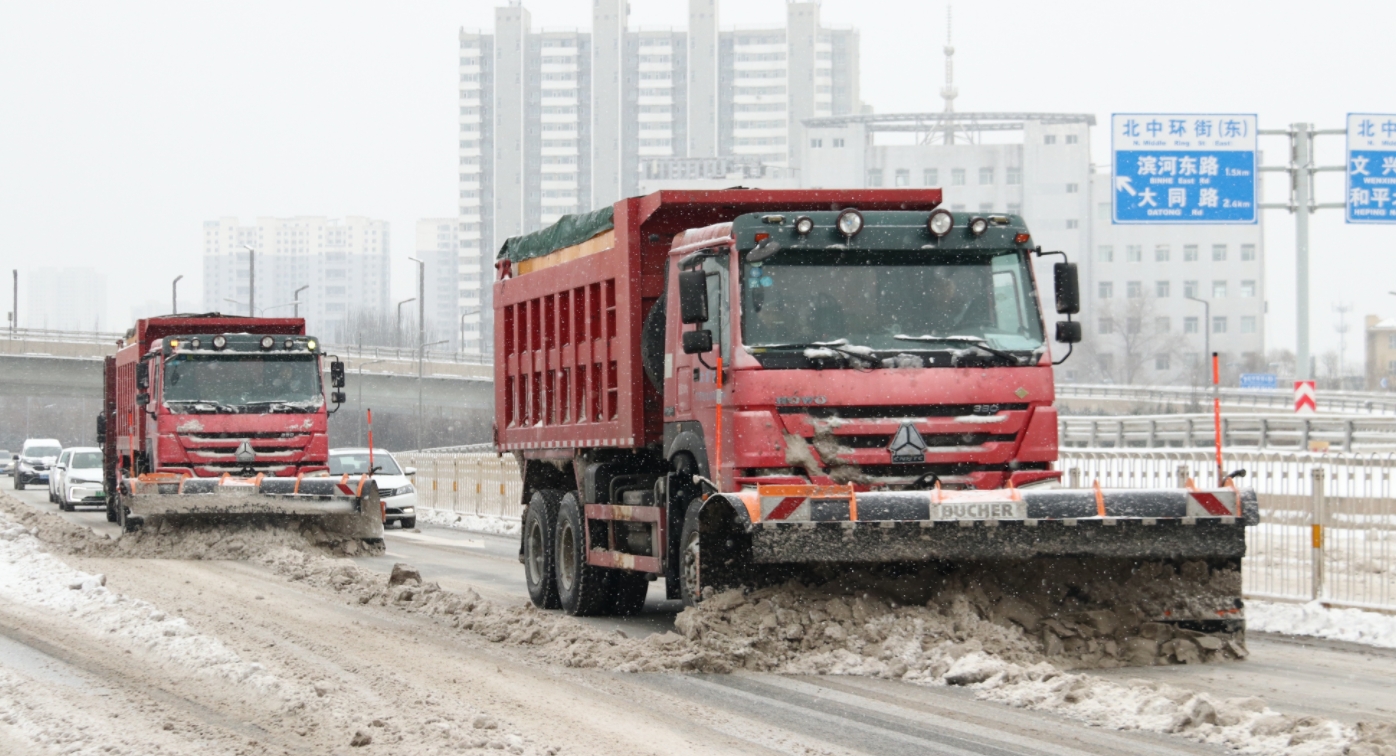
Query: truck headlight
point(978, 226)
point(940, 223)
point(850, 222)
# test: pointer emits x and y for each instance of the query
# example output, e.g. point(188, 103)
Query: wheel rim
point(535, 553)
point(691, 571)
point(567, 555)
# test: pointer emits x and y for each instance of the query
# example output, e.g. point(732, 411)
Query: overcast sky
point(125, 125)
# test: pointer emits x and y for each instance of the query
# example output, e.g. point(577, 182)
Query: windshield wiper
point(841, 346)
point(284, 405)
point(203, 405)
point(974, 341)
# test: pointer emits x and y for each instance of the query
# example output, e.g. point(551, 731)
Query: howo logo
point(907, 446)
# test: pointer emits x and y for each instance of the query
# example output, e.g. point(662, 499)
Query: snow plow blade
point(342, 508)
point(798, 524)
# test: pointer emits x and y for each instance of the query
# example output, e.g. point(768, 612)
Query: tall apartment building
point(1380, 353)
point(558, 122)
point(343, 262)
point(64, 299)
point(436, 248)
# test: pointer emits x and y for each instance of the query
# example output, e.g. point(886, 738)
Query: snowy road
point(432, 691)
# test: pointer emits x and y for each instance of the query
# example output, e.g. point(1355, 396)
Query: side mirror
point(697, 342)
point(1069, 331)
point(142, 399)
point(61, 467)
point(409, 471)
point(142, 375)
point(337, 397)
point(337, 374)
point(693, 297)
point(1068, 288)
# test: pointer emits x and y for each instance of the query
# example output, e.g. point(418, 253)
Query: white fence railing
point(471, 482)
point(1327, 521)
point(1282, 432)
point(1277, 399)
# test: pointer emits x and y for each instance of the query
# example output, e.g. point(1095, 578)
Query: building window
point(1247, 324)
point(1016, 208)
point(1073, 188)
point(1219, 324)
point(1073, 223)
point(1190, 289)
point(838, 142)
point(1105, 290)
point(1218, 253)
point(902, 177)
point(1013, 176)
point(986, 175)
point(1190, 324)
point(1105, 326)
point(930, 177)
point(1161, 289)
point(1134, 253)
point(1247, 252)
point(957, 176)
point(1049, 139)
point(816, 143)
point(1189, 253)
point(1134, 289)
point(1105, 254)
point(1072, 139)
point(1248, 288)
point(1218, 290)
point(1161, 252)
point(1163, 324)
point(1160, 362)
point(874, 177)
point(986, 207)
point(1391, 341)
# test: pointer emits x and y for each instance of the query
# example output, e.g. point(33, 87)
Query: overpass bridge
point(51, 385)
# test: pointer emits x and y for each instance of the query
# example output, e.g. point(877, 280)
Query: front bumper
point(86, 493)
point(402, 507)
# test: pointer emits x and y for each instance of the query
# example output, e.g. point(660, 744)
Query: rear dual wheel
point(540, 522)
point(585, 590)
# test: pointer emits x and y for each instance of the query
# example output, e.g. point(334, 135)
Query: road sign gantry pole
point(1301, 170)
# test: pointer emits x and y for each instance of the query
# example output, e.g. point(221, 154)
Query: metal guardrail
point(473, 482)
point(1285, 432)
point(1281, 400)
point(104, 338)
point(1327, 527)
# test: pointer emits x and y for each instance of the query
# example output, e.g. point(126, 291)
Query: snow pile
point(1316, 620)
point(33, 578)
point(245, 538)
point(445, 518)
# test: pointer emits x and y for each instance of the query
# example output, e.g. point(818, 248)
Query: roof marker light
point(803, 225)
point(268, 342)
point(940, 223)
point(194, 343)
point(310, 345)
point(977, 226)
point(290, 343)
point(220, 341)
point(1021, 239)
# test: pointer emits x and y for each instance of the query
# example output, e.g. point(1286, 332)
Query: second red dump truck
point(702, 384)
point(225, 419)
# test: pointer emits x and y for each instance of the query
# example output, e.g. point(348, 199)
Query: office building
point(333, 271)
point(436, 248)
point(558, 122)
point(64, 299)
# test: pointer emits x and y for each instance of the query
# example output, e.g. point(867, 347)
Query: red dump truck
point(224, 418)
point(699, 384)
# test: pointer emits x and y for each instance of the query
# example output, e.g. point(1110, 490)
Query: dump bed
point(571, 300)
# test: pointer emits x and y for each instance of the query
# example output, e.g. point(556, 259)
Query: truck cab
point(876, 349)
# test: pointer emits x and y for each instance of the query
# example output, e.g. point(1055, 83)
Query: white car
point(395, 486)
point(35, 460)
point(77, 478)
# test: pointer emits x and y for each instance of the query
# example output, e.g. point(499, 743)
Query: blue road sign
point(1258, 381)
point(1371, 171)
point(1184, 168)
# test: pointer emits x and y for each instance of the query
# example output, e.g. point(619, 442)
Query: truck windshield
point(234, 381)
point(902, 301)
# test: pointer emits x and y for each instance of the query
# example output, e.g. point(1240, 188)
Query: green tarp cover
point(568, 230)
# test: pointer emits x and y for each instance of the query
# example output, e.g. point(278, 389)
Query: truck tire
point(129, 524)
point(582, 589)
point(708, 560)
point(539, 526)
point(628, 592)
point(111, 513)
point(408, 523)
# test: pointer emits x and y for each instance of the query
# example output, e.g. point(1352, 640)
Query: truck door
point(697, 373)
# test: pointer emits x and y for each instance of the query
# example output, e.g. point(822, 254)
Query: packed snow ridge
point(1316, 620)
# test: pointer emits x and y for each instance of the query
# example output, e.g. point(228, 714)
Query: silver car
point(35, 461)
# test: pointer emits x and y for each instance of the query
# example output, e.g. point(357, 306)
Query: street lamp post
point(361, 367)
point(421, 359)
point(1206, 324)
point(397, 333)
point(14, 311)
point(297, 297)
point(251, 278)
point(174, 295)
